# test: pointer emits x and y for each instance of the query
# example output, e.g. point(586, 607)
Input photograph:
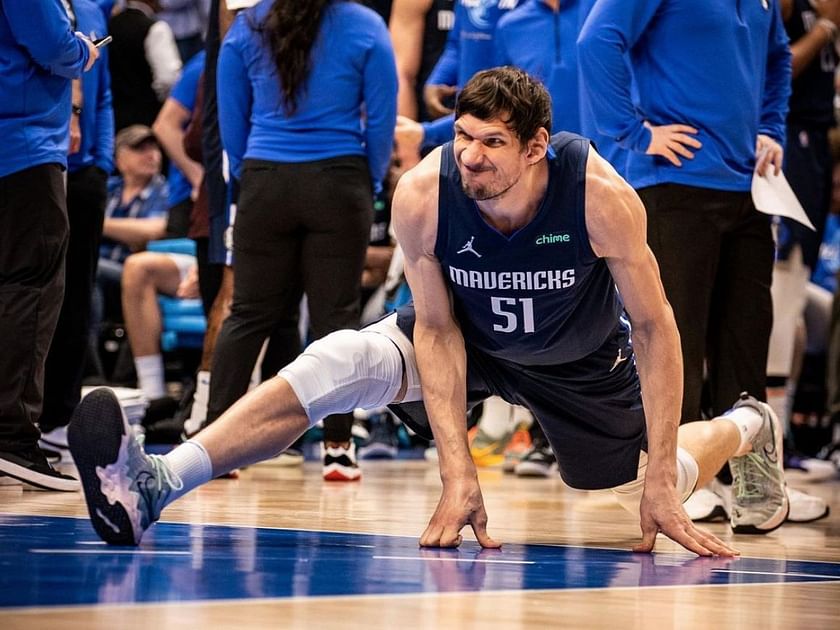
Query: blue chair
point(183, 320)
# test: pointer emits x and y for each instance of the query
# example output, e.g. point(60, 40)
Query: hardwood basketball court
point(281, 548)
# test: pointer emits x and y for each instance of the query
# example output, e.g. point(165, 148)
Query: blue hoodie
point(39, 54)
point(97, 119)
point(721, 66)
point(352, 71)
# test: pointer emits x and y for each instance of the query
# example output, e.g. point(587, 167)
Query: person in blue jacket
point(713, 90)
point(713, 87)
point(307, 98)
point(469, 49)
point(540, 37)
point(39, 56)
point(88, 169)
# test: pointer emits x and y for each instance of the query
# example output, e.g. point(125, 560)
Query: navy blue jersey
point(539, 296)
point(812, 99)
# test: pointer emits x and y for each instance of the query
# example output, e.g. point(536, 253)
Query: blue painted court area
point(46, 561)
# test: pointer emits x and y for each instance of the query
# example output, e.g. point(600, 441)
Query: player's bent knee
point(343, 371)
point(629, 495)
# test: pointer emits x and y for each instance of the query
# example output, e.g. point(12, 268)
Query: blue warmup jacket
point(720, 66)
point(469, 49)
point(97, 119)
point(347, 105)
point(39, 54)
point(544, 44)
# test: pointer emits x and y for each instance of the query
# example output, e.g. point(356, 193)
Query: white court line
point(113, 552)
point(453, 560)
point(805, 575)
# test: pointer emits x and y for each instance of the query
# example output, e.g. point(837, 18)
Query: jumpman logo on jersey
point(468, 247)
point(619, 359)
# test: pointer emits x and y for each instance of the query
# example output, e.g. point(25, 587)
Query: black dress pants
point(300, 228)
point(715, 254)
point(33, 243)
point(86, 196)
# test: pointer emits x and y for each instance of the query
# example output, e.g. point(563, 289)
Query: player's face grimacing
point(489, 156)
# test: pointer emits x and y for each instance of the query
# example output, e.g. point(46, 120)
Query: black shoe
point(382, 443)
point(33, 468)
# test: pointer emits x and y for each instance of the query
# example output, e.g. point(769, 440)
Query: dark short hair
point(509, 94)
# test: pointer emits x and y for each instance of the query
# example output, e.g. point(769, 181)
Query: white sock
point(495, 419)
point(748, 421)
point(198, 413)
point(191, 463)
point(150, 375)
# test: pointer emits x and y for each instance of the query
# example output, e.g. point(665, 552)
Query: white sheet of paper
point(773, 195)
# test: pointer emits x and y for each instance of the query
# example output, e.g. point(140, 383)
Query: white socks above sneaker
point(150, 375)
point(192, 464)
point(496, 418)
point(198, 414)
point(748, 421)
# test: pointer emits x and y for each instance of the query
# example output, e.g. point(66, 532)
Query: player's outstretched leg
point(125, 488)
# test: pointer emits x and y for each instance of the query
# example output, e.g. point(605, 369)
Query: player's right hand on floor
point(460, 504)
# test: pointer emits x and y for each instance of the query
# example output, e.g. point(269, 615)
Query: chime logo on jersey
point(545, 280)
point(553, 239)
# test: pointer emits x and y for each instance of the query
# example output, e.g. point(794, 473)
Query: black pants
point(86, 195)
point(210, 275)
point(33, 243)
point(715, 254)
point(299, 228)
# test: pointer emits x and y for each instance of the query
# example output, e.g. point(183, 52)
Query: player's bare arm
point(616, 221)
point(441, 358)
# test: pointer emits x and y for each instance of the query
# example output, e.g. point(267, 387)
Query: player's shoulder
point(415, 205)
point(422, 181)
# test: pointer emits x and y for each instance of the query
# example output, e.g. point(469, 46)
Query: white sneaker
point(56, 441)
point(809, 469)
point(805, 508)
point(708, 503)
point(340, 462)
point(760, 502)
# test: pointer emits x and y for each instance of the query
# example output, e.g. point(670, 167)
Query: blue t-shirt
point(150, 203)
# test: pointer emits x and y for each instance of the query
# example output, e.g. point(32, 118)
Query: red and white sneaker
point(340, 462)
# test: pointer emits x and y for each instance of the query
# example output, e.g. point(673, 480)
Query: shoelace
point(163, 473)
point(753, 471)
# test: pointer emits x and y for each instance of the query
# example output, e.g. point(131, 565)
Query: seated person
point(135, 212)
point(145, 275)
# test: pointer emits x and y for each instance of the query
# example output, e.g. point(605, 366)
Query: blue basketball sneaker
point(125, 488)
point(760, 501)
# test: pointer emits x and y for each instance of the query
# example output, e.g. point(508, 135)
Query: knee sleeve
point(344, 371)
point(629, 495)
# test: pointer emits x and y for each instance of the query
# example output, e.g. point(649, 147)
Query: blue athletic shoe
point(125, 488)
